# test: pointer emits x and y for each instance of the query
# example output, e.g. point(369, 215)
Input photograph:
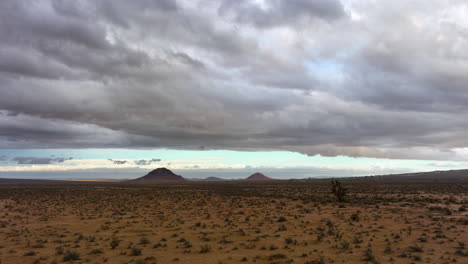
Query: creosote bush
point(205, 249)
point(114, 243)
point(135, 252)
point(71, 255)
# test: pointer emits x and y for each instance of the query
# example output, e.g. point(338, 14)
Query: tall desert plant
point(338, 190)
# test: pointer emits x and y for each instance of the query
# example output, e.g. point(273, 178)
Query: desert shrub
point(187, 244)
point(290, 241)
point(59, 250)
point(320, 260)
point(135, 252)
point(140, 261)
point(344, 245)
point(71, 255)
point(158, 245)
point(282, 219)
point(422, 239)
point(415, 248)
point(39, 244)
point(369, 255)
point(96, 251)
point(277, 256)
point(388, 249)
point(205, 249)
point(282, 228)
point(355, 217)
point(273, 247)
point(114, 243)
point(320, 234)
point(144, 241)
point(441, 210)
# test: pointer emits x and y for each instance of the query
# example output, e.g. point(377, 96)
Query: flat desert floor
point(235, 222)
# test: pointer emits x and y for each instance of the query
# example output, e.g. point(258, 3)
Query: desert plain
point(381, 221)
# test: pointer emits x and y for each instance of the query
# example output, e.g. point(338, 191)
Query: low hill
point(213, 179)
point(159, 175)
point(258, 177)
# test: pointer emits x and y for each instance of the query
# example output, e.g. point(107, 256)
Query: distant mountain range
point(431, 175)
point(164, 175)
point(213, 179)
point(57, 181)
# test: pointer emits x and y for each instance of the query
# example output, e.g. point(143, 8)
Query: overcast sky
point(357, 78)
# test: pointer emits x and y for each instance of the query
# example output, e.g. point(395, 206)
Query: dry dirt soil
point(235, 222)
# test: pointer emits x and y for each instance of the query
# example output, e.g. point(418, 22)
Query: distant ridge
point(28, 181)
point(163, 175)
point(54, 181)
point(429, 175)
point(213, 179)
point(159, 175)
point(258, 177)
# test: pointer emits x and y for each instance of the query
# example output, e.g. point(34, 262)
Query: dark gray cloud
point(118, 162)
point(146, 162)
point(275, 13)
point(319, 77)
point(38, 160)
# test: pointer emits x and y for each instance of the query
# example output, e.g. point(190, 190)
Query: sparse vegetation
point(205, 249)
point(70, 256)
point(114, 243)
point(96, 251)
point(135, 252)
point(59, 250)
point(297, 222)
point(144, 241)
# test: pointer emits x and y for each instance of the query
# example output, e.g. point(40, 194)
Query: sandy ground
point(234, 223)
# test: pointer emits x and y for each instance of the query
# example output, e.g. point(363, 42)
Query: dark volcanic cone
point(258, 177)
point(159, 175)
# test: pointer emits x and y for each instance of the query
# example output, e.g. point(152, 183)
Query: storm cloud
point(38, 160)
point(146, 162)
point(118, 162)
point(359, 78)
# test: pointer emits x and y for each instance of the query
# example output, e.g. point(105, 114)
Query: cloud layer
point(38, 160)
point(358, 78)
